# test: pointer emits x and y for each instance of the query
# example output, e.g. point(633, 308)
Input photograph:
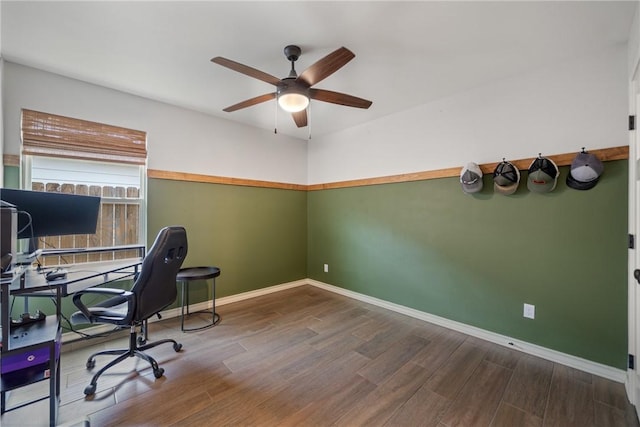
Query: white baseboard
point(591, 367)
point(259, 292)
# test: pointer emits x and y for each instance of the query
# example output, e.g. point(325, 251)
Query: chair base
point(133, 351)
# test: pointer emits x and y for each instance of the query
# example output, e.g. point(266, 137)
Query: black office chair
point(153, 290)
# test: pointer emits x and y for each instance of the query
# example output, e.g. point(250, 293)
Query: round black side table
point(185, 275)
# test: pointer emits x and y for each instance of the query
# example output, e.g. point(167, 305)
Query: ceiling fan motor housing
point(292, 85)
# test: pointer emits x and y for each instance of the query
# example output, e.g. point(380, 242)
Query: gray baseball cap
point(543, 175)
point(471, 178)
point(585, 172)
point(506, 178)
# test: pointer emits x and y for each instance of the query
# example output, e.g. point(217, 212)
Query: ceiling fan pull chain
point(309, 121)
point(275, 129)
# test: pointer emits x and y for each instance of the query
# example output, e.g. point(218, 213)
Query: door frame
point(633, 303)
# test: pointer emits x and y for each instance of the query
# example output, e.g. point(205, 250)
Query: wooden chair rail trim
point(11, 160)
point(211, 179)
point(604, 154)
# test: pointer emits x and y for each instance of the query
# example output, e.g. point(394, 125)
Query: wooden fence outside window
point(118, 223)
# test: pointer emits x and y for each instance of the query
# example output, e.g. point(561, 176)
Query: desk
point(45, 336)
point(79, 277)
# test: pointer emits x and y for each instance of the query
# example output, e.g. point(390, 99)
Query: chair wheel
point(158, 372)
point(177, 347)
point(141, 340)
point(90, 389)
point(91, 363)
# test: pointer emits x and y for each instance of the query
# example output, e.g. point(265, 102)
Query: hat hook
point(583, 149)
point(503, 159)
point(539, 155)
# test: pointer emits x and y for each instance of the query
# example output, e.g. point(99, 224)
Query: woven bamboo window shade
point(46, 134)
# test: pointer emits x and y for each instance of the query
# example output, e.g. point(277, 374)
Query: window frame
point(26, 166)
point(46, 135)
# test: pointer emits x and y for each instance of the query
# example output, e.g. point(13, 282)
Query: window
point(62, 154)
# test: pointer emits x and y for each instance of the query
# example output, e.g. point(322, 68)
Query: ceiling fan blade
point(326, 66)
point(339, 98)
point(250, 102)
point(300, 118)
point(245, 69)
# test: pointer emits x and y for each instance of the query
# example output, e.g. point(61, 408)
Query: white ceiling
point(407, 53)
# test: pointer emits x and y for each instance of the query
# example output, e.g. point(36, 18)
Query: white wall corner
point(1, 104)
point(1, 114)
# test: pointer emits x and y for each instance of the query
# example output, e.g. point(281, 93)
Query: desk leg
point(52, 384)
point(54, 369)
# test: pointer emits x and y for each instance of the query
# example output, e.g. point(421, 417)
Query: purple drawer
point(26, 358)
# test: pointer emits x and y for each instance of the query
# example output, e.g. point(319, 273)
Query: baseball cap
point(543, 175)
point(506, 178)
point(471, 178)
point(585, 172)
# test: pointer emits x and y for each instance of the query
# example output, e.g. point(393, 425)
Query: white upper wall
point(557, 109)
point(178, 139)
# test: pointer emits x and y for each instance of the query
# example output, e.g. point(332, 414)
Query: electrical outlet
point(529, 311)
point(326, 268)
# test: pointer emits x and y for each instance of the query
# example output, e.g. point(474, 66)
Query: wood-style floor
point(308, 357)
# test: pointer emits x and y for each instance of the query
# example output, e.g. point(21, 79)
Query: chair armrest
point(77, 297)
point(106, 291)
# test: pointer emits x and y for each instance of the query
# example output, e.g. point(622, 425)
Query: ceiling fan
point(294, 92)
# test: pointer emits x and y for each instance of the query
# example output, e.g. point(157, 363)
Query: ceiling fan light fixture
point(293, 101)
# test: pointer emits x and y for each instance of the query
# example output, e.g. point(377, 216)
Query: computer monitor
point(52, 214)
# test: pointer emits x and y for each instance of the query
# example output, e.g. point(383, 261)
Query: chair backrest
point(155, 286)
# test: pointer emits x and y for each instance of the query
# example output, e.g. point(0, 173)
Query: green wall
point(256, 236)
point(477, 258)
point(11, 177)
